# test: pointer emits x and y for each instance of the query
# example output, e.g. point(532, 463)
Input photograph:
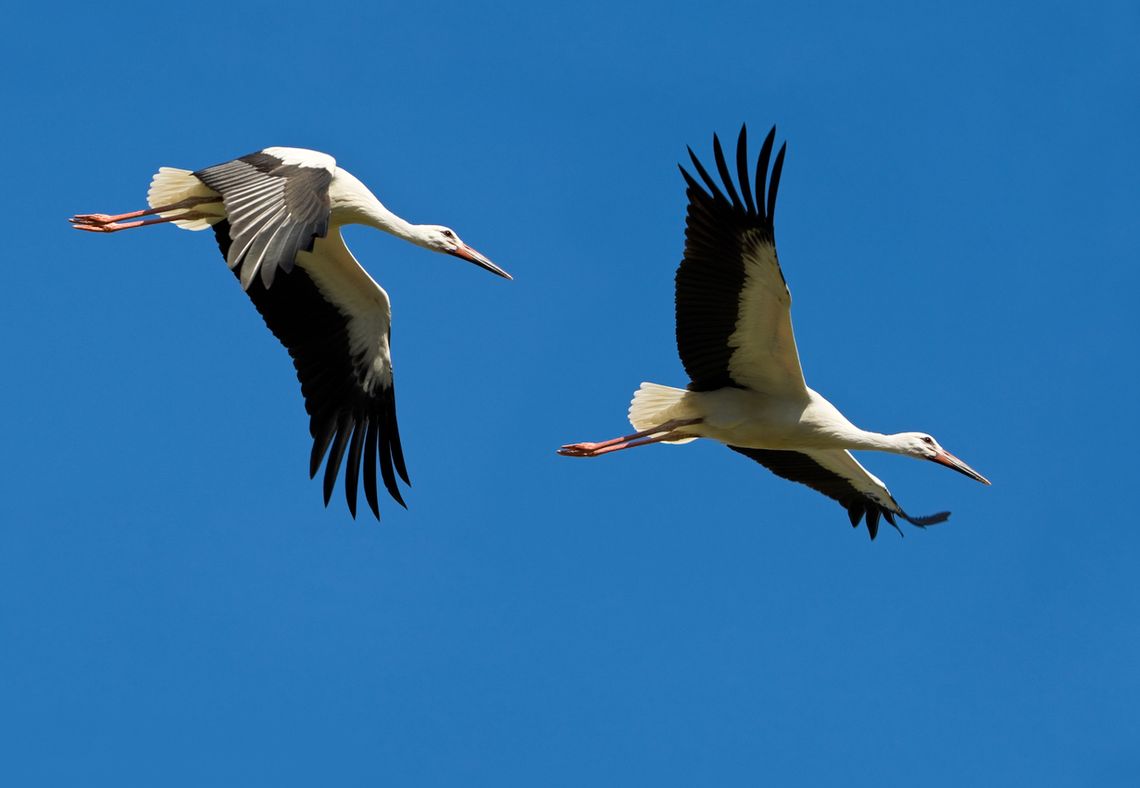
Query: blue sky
point(957, 223)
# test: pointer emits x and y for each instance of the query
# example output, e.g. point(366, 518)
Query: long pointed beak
point(950, 461)
point(469, 254)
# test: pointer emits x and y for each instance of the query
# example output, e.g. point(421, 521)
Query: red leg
point(113, 227)
point(575, 451)
point(663, 432)
point(83, 219)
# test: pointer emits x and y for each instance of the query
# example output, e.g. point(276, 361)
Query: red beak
point(469, 254)
point(944, 457)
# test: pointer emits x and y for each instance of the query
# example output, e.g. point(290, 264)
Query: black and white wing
point(276, 203)
point(335, 321)
point(838, 475)
point(734, 325)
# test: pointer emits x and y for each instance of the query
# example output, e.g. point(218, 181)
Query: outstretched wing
point(335, 322)
point(277, 203)
point(838, 475)
point(734, 326)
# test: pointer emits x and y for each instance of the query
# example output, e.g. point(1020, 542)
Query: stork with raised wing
point(734, 335)
point(277, 215)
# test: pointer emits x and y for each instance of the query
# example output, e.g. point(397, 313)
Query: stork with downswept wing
point(276, 215)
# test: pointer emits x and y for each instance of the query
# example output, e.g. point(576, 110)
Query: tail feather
point(654, 404)
point(171, 185)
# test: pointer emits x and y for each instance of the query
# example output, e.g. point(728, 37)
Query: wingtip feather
point(709, 182)
point(386, 470)
point(352, 468)
point(725, 175)
point(370, 450)
point(322, 432)
point(336, 454)
point(873, 515)
point(930, 519)
point(774, 183)
point(742, 168)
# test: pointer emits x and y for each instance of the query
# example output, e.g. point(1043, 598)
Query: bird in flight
point(734, 336)
point(276, 215)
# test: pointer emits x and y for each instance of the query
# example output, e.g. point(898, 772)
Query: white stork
point(734, 336)
point(277, 216)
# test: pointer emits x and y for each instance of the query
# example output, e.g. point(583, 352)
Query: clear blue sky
point(958, 224)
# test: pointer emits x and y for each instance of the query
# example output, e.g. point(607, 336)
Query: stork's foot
point(92, 218)
point(102, 227)
point(109, 223)
point(102, 223)
point(583, 449)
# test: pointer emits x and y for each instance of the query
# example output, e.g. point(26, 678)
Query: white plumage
point(734, 335)
point(276, 215)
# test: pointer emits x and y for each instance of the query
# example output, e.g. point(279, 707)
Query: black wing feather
point(742, 169)
point(762, 162)
point(336, 453)
point(370, 449)
point(726, 178)
point(397, 451)
point(798, 467)
point(342, 415)
point(386, 453)
point(709, 182)
point(873, 515)
point(711, 275)
point(352, 469)
point(323, 429)
point(774, 184)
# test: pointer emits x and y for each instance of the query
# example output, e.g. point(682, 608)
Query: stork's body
point(276, 215)
point(750, 419)
point(734, 335)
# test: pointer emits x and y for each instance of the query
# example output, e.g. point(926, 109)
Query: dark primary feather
point(342, 414)
point(742, 169)
point(711, 275)
point(777, 168)
point(798, 467)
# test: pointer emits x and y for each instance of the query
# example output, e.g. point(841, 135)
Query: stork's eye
point(448, 234)
point(929, 441)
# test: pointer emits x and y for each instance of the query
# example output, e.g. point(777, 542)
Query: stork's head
point(444, 239)
point(924, 447)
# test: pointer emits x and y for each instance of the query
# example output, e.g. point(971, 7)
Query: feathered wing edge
point(360, 432)
point(760, 211)
point(274, 209)
point(343, 418)
point(720, 230)
point(799, 467)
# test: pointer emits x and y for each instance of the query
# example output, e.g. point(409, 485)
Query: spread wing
point(734, 325)
point(838, 475)
point(335, 321)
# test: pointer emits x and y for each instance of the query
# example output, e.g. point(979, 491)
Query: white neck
point(351, 202)
point(877, 441)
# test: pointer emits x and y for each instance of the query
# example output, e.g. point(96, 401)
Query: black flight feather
point(718, 232)
point(799, 467)
point(742, 168)
point(343, 416)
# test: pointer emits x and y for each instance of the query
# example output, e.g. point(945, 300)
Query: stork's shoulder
point(302, 157)
point(821, 417)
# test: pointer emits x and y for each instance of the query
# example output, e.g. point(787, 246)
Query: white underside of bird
point(734, 335)
point(280, 210)
point(330, 263)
